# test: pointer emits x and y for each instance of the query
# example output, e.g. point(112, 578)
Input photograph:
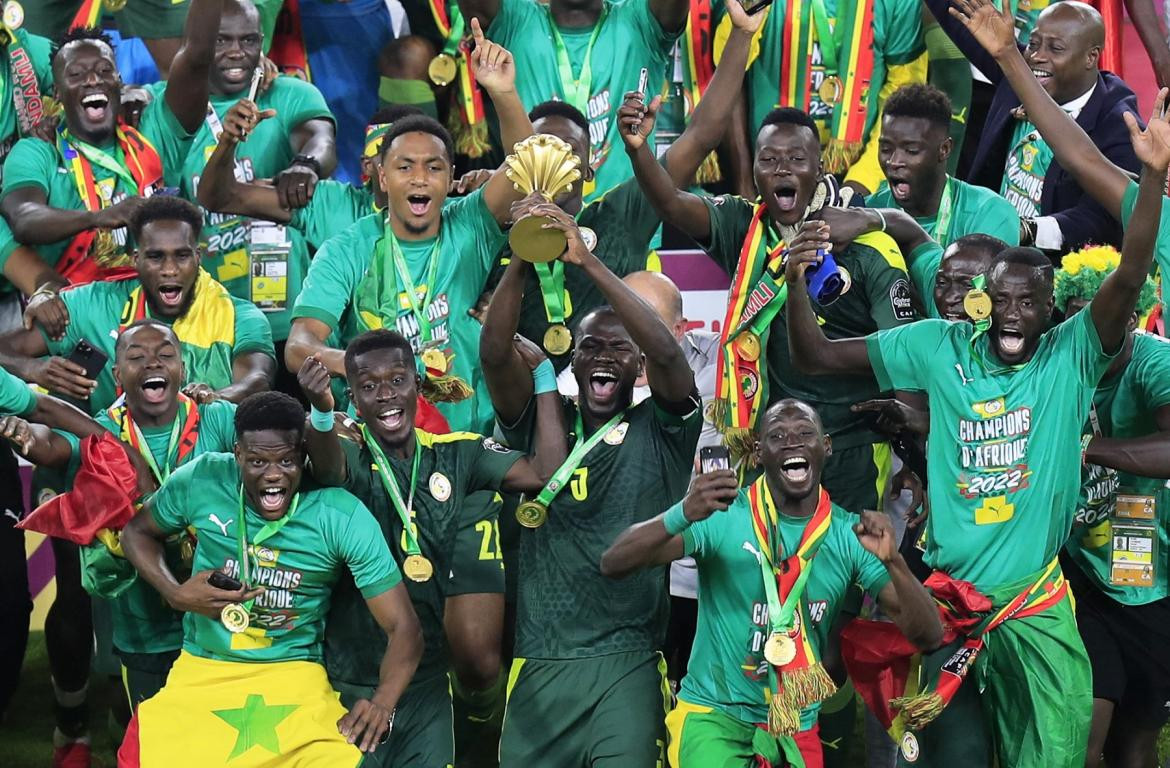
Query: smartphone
point(90, 358)
point(221, 580)
point(754, 6)
point(713, 458)
point(257, 78)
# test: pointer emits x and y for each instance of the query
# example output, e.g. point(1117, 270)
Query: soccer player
point(73, 199)
point(252, 654)
point(597, 53)
point(587, 681)
point(168, 429)
point(783, 523)
point(416, 484)
point(745, 239)
point(423, 263)
point(225, 342)
point(1121, 584)
point(913, 150)
point(1008, 398)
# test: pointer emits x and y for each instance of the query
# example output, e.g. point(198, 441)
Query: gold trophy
point(547, 165)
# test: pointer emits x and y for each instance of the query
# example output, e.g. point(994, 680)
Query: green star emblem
point(256, 723)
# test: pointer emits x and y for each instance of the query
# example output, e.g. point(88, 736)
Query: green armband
point(675, 521)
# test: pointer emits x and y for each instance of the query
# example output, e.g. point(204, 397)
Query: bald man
point(1014, 159)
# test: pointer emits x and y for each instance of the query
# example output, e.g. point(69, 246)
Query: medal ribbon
point(391, 486)
point(26, 91)
point(391, 281)
point(942, 224)
point(270, 529)
point(552, 290)
point(573, 460)
point(577, 90)
point(184, 434)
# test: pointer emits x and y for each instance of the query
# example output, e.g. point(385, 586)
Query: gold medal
point(442, 69)
point(558, 339)
point(780, 649)
point(831, 90)
point(434, 360)
point(13, 14)
point(977, 305)
point(748, 345)
point(417, 568)
point(113, 6)
point(531, 514)
point(235, 618)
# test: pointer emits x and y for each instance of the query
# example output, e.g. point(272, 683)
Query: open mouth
point(795, 469)
point(785, 198)
point(899, 188)
point(391, 419)
point(1043, 75)
point(95, 106)
point(272, 499)
point(170, 295)
point(154, 389)
point(603, 384)
point(1011, 342)
point(955, 315)
point(235, 74)
point(419, 204)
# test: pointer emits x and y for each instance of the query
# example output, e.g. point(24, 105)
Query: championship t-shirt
point(31, 62)
point(565, 608)
point(236, 248)
point(1125, 406)
point(335, 207)
point(727, 670)
point(35, 163)
point(973, 210)
point(1004, 450)
point(923, 264)
point(878, 297)
point(469, 240)
point(142, 621)
point(330, 532)
point(95, 312)
point(1023, 177)
point(629, 39)
point(461, 540)
point(1161, 245)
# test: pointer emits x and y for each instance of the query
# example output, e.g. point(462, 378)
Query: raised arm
point(680, 209)
point(1147, 456)
point(370, 719)
point(549, 446)
point(323, 445)
point(509, 379)
point(1113, 305)
point(1149, 29)
point(219, 190)
point(187, 87)
point(811, 351)
point(994, 29)
point(659, 541)
point(709, 122)
point(903, 598)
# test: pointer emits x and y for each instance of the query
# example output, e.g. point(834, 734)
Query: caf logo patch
point(749, 381)
point(617, 435)
point(440, 486)
point(909, 746)
point(265, 555)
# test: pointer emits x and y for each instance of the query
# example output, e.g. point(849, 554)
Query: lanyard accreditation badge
point(416, 566)
point(237, 616)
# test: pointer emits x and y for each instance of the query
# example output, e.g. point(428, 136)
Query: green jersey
point(727, 670)
point(1125, 406)
point(923, 264)
point(335, 207)
point(565, 608)
point(897, 39)
point(461, 543)
point(469, 240)
point(247, 256)
point(971, 209)
point(208, 345)
point(603, 62)
point(1004, 453)
point(1162, 244)
point(1027, 163)
point(624, 223)
point(299, 564)
point(143, 622)
point(35, 163)
point(30, 59)
point(879, 297)
point(16, 397)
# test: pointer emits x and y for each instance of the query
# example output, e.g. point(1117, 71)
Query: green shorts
point(144, 674)
point(857, 478)
point(422, 734)
point(152, 19)
point(604, 712)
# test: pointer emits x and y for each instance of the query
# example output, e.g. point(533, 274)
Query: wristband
point(881, 217)
point(309, 162)
point(544, 378)
point(675, 520)
point(322, 421)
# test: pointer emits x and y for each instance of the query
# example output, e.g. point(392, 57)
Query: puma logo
point(963, 375)
point(754, 551)
point(14, 515)
point(222, 525)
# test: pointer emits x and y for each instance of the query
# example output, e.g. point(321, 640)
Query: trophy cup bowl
point(547, 165)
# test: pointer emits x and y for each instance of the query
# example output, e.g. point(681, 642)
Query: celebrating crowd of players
point(340, 477)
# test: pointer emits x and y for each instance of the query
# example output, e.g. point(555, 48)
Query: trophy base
point(532, 243)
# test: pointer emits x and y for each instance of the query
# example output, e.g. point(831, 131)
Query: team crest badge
point(617, 435)
point(265, 555)
point(909, 747)
point(989, 408)
point(440, 486)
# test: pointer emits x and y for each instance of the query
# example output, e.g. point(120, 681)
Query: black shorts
point(1129, 647)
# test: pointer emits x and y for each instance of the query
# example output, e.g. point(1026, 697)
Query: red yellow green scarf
point(802, 681)
point(467, 122)
point(699, 42)
point(29, 103)
point(187, 422)
point(88, 14)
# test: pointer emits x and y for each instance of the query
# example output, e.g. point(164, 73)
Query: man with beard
point(417, 485)
point(168, 428)
point(1008, 398)
point(748, 241)
point(252, 650)
point(73, 199)
point(913, 150)
point(782, 524)
point(587, 681)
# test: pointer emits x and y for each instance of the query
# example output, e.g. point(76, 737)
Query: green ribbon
point(380, 288)
point(102, 158)
point(576, 89)
point(557, 482)
point(270, 529)
point(458, 26)
point(828, 38)
point(392, 489)
point(160, 474)
point(552, 290)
